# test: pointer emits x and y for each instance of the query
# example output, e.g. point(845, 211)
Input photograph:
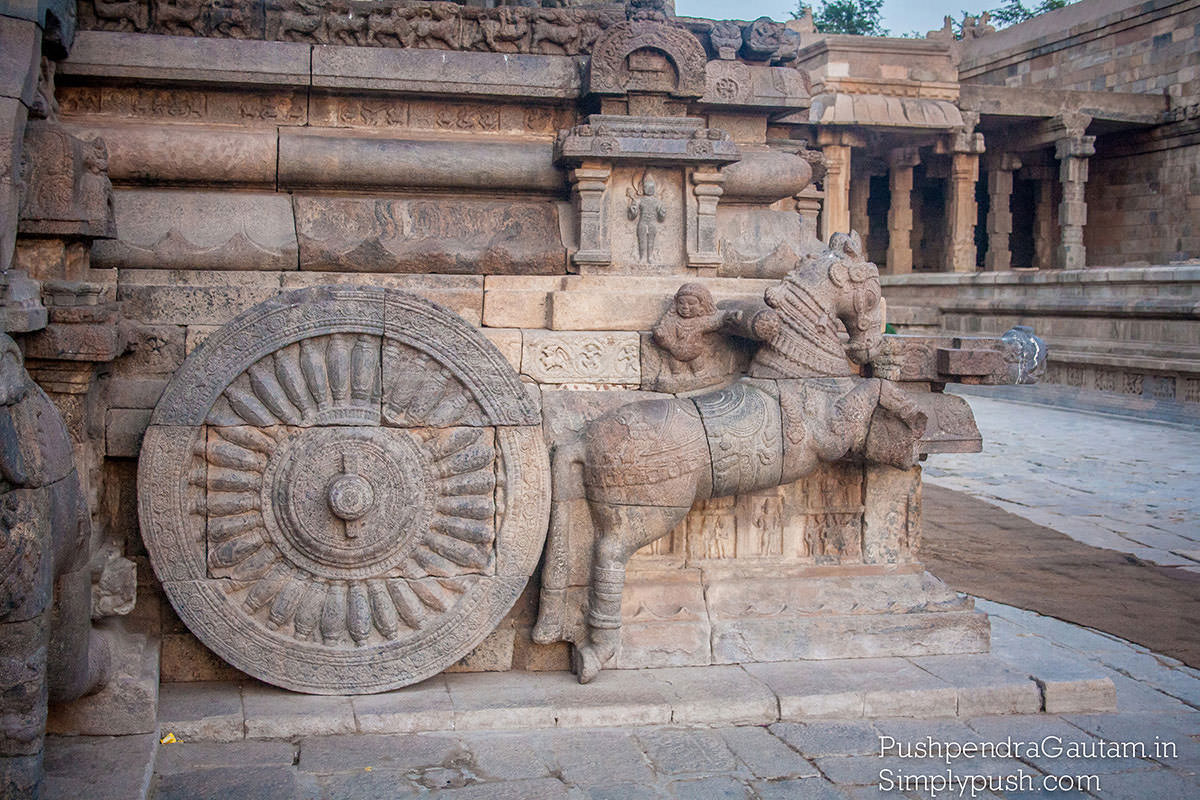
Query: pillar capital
point(1075, 147)
point(1003, 161)
point(904, 157)
point(840, 136)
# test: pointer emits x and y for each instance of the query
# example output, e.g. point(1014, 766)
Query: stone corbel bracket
point(1017, 357)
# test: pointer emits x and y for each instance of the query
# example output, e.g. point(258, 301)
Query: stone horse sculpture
point(802, 403)
point(48, 648)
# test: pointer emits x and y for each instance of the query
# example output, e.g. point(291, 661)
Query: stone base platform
point(752, 694)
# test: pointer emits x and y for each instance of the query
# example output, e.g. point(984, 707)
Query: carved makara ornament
point(343, 491)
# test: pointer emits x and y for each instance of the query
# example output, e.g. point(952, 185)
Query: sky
point(899, 16)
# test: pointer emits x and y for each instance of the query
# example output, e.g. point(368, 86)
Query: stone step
point(752, 694)
point(99, 767)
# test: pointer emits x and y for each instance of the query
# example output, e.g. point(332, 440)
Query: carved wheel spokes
point(344, 490)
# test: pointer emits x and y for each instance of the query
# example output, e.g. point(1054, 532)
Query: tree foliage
point(1014, 11)
point(859, 17)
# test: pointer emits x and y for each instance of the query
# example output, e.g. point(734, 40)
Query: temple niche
point(376, 331)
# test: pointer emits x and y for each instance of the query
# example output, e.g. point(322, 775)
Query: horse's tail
point(566, 462)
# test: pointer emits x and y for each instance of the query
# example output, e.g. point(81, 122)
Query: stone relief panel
point(164, 229)
point(816, 520)
point(558, 357)
point(268, 107)
point(368, 111)
point(352, 495)
point(385, 23)
point(646, 218)
point(429, 235)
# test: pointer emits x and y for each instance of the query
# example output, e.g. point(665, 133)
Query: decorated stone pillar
point(964, 148)
point(808, 206)
point(900, 214)
point(999, 219)
point(1072, 155)
point(1043, 218)
point(588, 183)
point(707, 188)
point(835, 213)
point(860, 196)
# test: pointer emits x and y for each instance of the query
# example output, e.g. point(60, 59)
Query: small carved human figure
point(649, 212)
point(690, 330)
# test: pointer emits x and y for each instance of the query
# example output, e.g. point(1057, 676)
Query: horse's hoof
point(547, 630)
point(585, 663)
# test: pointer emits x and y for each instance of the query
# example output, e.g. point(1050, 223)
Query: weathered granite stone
point(557, 357)
point(48, 646)
point(487, 74)
point(130, 55)
point(69, 193)
point(673, 60)
point(200, 230)
point(128, 702)
point(661, 140)
point(431, 235)
point(335, 160)
point(462, 294)
point(729, 82)
point(352, 443)
point(184, 154)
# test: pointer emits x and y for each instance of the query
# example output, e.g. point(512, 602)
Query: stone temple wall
point(554, 202)
point(1143, 190)
point(1130, 333)
point(245, 168)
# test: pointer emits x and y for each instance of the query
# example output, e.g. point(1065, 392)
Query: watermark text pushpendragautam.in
point(1041, 750)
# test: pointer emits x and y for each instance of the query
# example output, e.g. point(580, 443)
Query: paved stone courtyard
point(1109, 482)
point(827, 758)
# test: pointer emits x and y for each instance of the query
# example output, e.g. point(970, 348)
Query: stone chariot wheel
point(344, 490)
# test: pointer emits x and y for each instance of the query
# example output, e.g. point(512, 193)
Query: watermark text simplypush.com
point(1042, 750)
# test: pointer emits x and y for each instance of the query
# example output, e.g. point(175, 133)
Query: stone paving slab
point(835, 759)
point(1120, 484)
point(754, 694)
point(99, 767)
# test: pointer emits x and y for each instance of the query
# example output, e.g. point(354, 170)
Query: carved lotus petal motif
point(344, 491)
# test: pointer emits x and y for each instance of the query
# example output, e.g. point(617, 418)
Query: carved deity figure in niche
point(690, 330)
point(649, 212)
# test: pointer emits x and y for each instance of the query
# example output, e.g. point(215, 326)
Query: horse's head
point(858, 298)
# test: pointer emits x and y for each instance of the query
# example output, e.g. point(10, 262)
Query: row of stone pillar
point(847, 194)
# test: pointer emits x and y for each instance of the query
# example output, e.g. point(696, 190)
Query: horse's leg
point(897, 425)
point(553, 600)
point(897, 401)
point(620, 531)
